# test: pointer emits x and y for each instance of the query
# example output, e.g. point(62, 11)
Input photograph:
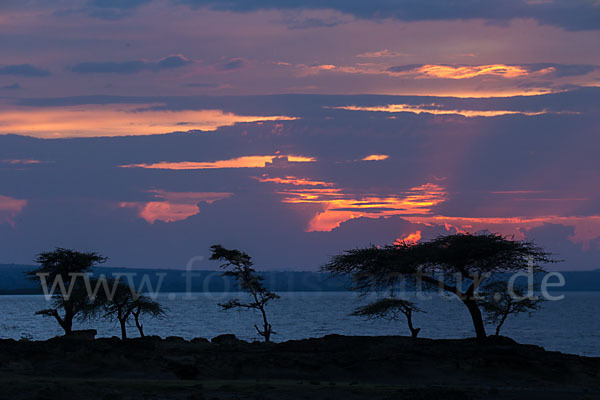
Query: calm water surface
point(570, 325)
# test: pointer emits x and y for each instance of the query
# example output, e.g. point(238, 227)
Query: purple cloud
point(130, 67)
point(26, 70)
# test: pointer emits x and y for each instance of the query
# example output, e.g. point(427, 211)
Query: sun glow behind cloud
point(471, 71)
point(437, 110)
point(411, 238)
point(457, 80)
point(173, 206)
point(339, 205)
point(417, 205)
point(239, 162)
point(115, 120)
point(434, 71)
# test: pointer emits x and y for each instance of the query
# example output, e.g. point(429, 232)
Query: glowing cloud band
point(239, 162)
point(115, 120)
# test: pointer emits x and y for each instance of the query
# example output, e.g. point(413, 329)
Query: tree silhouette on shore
point(390, 309)
point(239, 266)
point(120, 302)
point(457, 264)
point(66, 270)
point(499, 301)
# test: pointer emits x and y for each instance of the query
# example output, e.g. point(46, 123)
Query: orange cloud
point(339, 206)
point(425, 71)
point(506, 73)
point(10, 208)
point(115, 120)
point(434, 109)
point(239, 162)
point(325, 67)
point(471, 71)
point(411, 238)
point(173, 206)
point(299, 158)
point(376, 157)
point(292, 180)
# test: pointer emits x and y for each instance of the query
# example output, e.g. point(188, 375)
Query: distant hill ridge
point(13, 280)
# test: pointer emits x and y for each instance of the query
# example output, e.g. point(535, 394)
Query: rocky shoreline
point(334, 366)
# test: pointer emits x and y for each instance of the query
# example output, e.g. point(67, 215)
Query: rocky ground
point(333, 367)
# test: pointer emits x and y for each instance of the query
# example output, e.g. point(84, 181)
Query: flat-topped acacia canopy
point(456, 263)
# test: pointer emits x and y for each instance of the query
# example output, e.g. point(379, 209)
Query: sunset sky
point(148, 130)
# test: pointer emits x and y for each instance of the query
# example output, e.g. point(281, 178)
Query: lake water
point(571, 325)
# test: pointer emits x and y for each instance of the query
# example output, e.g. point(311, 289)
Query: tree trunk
point(476, 317)
point(138, 325)
point(67, 327)
point(123, 329)
point(467, 299)
point(500, 324)
point(413, 331)
point(266, 326)
point(66, 323)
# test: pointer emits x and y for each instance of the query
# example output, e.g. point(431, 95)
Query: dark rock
point(175, 339)
point(228, 338)
point(83, 334)
point(199, 340)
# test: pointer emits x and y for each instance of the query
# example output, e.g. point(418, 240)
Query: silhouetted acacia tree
point(66, 269)
point(117, 303)
point(390, 309)
point(499, 301)
point(120, 302)
point(146, 306)
point(456, 263)
point(239, 265)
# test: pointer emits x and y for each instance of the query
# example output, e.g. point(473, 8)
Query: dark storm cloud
point(26, 70)
point(130, 67)
point(568, 14)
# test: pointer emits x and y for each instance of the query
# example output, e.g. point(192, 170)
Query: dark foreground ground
point(333, 367)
